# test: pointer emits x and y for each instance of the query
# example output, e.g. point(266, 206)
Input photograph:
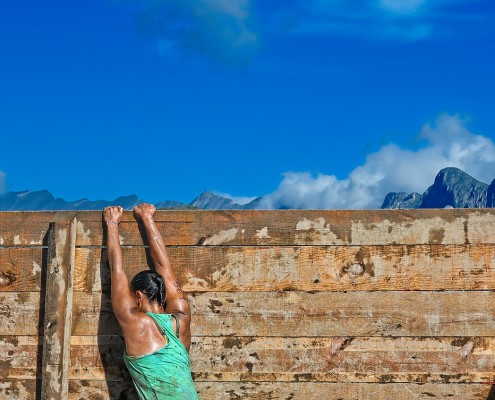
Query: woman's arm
point(176, 302)
point(122, 300)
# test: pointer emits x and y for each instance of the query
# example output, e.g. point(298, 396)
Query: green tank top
point(165, 374)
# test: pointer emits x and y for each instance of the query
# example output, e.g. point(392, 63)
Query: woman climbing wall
point(153, 313)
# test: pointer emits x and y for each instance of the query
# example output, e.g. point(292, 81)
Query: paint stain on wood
point(219, 238)
point(436, 236)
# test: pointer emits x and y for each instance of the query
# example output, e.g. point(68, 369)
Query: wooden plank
point(274, 227)
point(13, 389)
point(304, 227)
point(20, 313)
point(21, 269)
point(28, 228)
point(224, 268)
point(58, 311)
point(20, 357)
point(311, 268)
point(102, 390)
point(337, 359)
point(286, 313)
point(92, 389)
point(341, 391)
point(294, 314)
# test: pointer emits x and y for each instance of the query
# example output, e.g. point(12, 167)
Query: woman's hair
point(151, 284)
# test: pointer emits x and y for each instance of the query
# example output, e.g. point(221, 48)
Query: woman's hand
point(112, 215)
point(144, 211)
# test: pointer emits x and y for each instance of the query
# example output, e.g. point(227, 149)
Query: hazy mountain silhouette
point(452, 188)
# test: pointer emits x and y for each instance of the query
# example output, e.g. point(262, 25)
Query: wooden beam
point(304, 359)
point(263, 268)
point(290, 314)
point(309, 268)
point(58, 310)
point(94, 389)
point(319, 314)
point(304, 227)
point(316, 390)
point(28, 228)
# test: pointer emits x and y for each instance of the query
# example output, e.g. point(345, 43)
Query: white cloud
point(215, 29)
point(449, 144)
point(401, 20)
point(403, 7)
point(234, 8)
point(230, 30)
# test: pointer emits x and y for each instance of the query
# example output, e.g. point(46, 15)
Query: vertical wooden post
point(58, 310)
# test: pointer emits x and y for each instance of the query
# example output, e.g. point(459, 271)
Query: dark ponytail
point(161, 289)
point(151, 284)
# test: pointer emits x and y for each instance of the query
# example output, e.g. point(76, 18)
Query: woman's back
point(166, 373)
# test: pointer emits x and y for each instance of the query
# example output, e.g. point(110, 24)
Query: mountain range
point(452, 188)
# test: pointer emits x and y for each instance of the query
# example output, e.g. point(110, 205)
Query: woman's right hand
point(144, 210)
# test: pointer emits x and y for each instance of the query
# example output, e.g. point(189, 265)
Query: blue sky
point(314, 104)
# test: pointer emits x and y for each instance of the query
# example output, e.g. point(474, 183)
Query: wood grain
point(294, 314)
point(322, 268)
point(102, 390)
point(20, 313)
point(16, 389)
point(304, 227)
point(337, 359)
point(295, 304)
point(310, 268)
point(21, 268)
point(340, 391)
point(20, 357)
point(58, 311)
point(286, 313)
point(273, 227)
point(99, 390)
point(29, 228)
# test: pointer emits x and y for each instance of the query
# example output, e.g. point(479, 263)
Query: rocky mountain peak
point(212, 201)
point(490, 195)
point(453, 187)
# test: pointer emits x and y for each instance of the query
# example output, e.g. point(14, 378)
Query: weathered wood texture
point(320, 314)
point(57, 317)
point(338, 359)
point(309, 268)
point(97, 390)
point(305, 227)
point(355, 391)
point(82, 390)
point(286, 304)
point(291, 314)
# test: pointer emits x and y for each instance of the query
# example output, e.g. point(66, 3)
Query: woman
point(153, 313)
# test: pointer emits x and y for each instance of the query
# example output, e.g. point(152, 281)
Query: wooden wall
point(286, 305)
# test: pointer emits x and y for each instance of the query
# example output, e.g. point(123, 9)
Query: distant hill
point(452, 188)
point(44, 200)
point(212, 201)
